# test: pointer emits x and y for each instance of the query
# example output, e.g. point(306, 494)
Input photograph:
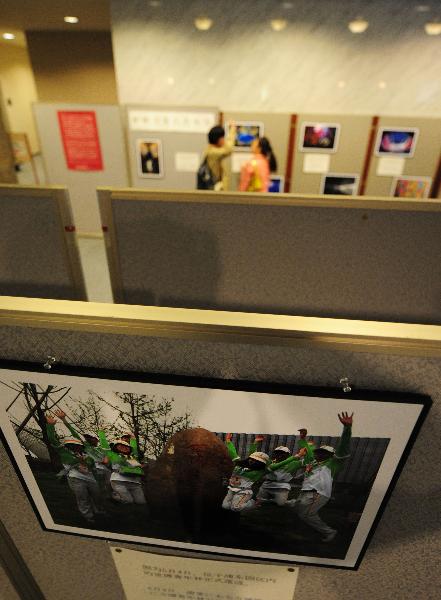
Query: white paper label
point(160, 577)
point(390, 166)
point(237, 160)
point(177, 121)
point(316, 163)
point(187, 162)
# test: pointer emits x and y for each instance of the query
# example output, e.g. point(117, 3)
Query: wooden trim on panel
point(72, 253)
point(12, 189)
point(290, 153)
point(436, 184)
point(222, 326)
point(246, 198)
point(369, 155)
point(111, 244)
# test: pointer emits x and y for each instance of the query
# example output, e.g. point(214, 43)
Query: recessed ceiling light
point(287, 5)
point(212, 81)
point(359, 25)
point(341, 84)
point(278, 24)
point(71, 19)
point(432, 28)
point(203, 23)
point(170, 80)
point(382, 85)
point(155, 3)
point(422, 8)
point(8, 36)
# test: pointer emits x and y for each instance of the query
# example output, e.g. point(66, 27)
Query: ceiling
point(17, 16)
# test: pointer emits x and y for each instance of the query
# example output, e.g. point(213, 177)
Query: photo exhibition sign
point(79, 133)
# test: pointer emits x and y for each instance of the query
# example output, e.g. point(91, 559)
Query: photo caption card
point(159, 577)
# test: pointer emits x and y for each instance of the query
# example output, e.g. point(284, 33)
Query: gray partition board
point(82, 184)
point(402, 559)
point(38, 246)
point(173, 142)
point(374, 259)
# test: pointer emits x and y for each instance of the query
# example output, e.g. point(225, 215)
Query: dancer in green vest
point(319, 475)
point(79, 468)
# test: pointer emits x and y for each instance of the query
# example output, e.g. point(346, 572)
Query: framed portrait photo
point(411, 187)
point(396, 141)
point(149, 157)
point(339, 184)
point(277, 183)
point(246, 133)
point(245, 469)
point(319, 137)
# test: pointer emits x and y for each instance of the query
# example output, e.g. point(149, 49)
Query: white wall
point(18, 91)
point(241, 64)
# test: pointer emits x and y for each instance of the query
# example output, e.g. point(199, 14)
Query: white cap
point(122, 442)
point(282, 449)
point(260, 456)
point(73, 441)
point(328, 449)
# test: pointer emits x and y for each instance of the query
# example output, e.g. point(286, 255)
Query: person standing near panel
point(219, 147)
point(255, 173)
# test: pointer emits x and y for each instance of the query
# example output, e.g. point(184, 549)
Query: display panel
point(246, 132)
point(247, 469)
point(319, 137)
point(411, 187)
point(149, 157)
point(396, 141)
point(339, 184)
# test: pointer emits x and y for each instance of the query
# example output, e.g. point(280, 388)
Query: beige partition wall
point(348, 158)
point(403, 556)
point(38, 244)
point(343, 257)
point(82, 182)
point(276, 129)
point(423, 163)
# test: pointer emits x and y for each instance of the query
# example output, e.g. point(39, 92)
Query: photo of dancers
point(156, 463)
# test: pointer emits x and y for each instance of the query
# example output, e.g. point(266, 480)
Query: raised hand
point(303, 433)
point(345, 419)
point(301, 453)
point(228, 437)
point(50, 420)
point(259, 438)
point(60, 414)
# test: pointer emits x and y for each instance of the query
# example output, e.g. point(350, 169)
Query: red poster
point(81, 143)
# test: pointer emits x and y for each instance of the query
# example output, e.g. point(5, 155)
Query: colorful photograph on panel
point(340, 185)
point(279, 474)
point(322, 137)
point(277, 183)
point(411, 187)
point(149, 157)
point(246, 132)
point(79, 134)
point(396, 142)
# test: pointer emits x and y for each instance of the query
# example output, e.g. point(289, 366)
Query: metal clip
point(345, 383)
point(50, 360)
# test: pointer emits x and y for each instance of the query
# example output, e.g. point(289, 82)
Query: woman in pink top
point(255, 173)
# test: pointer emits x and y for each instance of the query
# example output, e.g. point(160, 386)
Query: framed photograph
point(277, 183)
point(396, 141)
point(246, 132)
point(319, 137)
point(149, 158)
point(258, 470)
point(339, 184)
point(411, 187)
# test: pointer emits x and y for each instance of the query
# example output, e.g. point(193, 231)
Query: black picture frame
point(324, 394)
